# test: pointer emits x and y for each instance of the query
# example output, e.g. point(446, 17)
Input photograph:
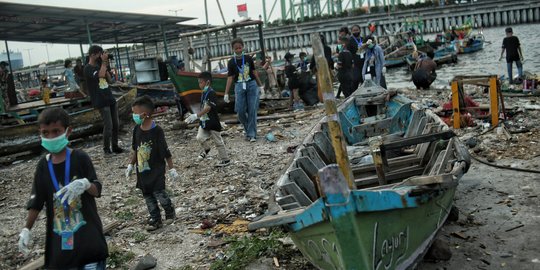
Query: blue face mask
point(205, 88)
point(55, 145)
point(137, 119)
point(371, 46)
point(339, 47)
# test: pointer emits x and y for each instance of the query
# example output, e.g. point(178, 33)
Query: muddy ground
point(497, 227)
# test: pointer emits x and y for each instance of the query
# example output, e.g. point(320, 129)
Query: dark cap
point(508, 30)
point(289, 55)
point(4, 64)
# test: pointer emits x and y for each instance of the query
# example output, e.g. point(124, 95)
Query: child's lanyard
point(204, 97)
point(66, 180)
point(241, 71)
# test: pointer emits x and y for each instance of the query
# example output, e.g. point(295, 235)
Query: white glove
point(73, 190)
point(173, 174)
point(226, 99)
point(191, 118)
point(129, 170)
point(24, 241)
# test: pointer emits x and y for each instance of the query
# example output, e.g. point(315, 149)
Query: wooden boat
point(444, 55)
point(471, 44)
point(19, 130)
point(405, 167)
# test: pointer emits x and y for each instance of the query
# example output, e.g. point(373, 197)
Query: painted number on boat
point(325, 252)
point(389, 248)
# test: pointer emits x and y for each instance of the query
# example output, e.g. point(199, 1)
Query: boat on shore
point(19, 130)
point(405, 166)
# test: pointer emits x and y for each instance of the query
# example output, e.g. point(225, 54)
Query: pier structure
point(482, 14)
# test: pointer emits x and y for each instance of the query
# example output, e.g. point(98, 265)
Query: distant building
point(16, 59)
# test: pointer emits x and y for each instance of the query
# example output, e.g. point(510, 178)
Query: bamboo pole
point(336, 134)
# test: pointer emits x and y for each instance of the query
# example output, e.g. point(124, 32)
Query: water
point(484, 62)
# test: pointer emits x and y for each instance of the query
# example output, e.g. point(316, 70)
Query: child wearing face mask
point(209, 125)
point(65, 182)
point(148, 158)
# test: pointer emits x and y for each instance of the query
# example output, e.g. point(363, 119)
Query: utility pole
point(175, 11)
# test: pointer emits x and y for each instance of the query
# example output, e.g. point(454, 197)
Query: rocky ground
point(497, 227)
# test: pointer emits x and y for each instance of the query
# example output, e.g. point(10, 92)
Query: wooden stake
point(493, 101)
point(455, 104)
point(336, 134)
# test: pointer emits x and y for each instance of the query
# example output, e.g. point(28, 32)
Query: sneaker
point(153, 225)
point(117, 150)
point(252, 139)
point(298, 106)
point(169, 219)
point(223, 163)
point(203, 154)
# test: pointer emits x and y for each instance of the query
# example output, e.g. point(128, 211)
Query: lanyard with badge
point(241, 71)
point(67, 233)
point(359, 43)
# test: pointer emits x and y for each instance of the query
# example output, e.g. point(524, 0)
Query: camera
point(110, 56)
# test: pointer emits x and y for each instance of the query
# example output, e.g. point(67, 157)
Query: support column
point(127, 57)
point(88, 33)
point(165, 41)
point(144, 48)
point(82, 54)
point(118, 59)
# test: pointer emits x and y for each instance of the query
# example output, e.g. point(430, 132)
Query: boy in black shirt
point(513, 53)
point(344, 66)
point(150, 151)
point(209, 121)
point(66, 183)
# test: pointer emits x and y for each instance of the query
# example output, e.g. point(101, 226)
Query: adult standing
point(78, 70)
point(241, 71)
point(97, 77)
point(374, 60)
point(513, 53)
point(358, 57)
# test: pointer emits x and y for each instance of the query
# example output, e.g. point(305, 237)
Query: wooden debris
point(515, 227)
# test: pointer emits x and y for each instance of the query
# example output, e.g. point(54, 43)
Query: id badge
point(67, 241)
point(244, 85)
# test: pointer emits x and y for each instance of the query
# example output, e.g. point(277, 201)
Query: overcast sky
point(34, 53)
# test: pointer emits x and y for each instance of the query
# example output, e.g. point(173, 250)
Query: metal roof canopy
point(36, 23)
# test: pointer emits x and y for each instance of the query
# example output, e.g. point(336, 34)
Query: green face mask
point(55, 145)
point(137, 119)
point(371, 46)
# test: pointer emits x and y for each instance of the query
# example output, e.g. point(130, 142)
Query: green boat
point(405, 167)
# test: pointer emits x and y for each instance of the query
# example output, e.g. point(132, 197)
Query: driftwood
point(36, 264)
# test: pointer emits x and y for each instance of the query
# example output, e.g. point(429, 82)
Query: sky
point(34, 53)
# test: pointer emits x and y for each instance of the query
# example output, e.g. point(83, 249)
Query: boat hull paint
point(394, 238)
point(187, 86)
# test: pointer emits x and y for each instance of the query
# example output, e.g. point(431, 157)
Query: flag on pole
point(242, 10)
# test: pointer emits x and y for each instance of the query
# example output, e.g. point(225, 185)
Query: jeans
point(202, 137)
point(110, 126)
point(152, 204)
point(246, 105)
point(519, 68)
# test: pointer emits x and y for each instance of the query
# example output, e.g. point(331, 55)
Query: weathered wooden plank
point(324, 145)
point(312, 154)
point(293, 189)
point(299, 177)
point(275, 220)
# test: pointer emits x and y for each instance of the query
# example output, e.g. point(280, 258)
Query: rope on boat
point(503, 167)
